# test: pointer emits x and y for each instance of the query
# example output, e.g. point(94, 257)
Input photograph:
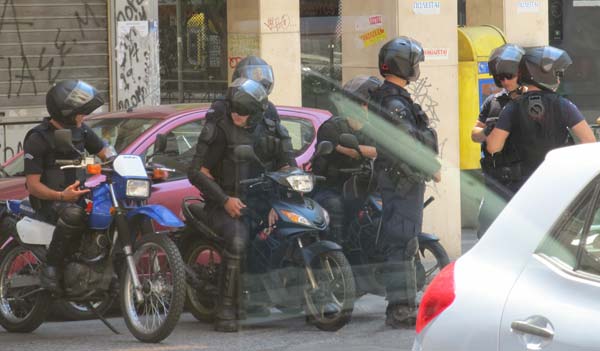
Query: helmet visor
point(259, 73)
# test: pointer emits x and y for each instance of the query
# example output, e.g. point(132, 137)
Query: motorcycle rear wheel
point(430, 260)
point(336, 291)
point(27, 313)
point(161, 273)
point(203, 260)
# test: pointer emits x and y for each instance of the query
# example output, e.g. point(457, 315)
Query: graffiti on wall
point(22, 68)
point(133, 10)
point(137, 62)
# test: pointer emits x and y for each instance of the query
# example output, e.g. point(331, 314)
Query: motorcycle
point(119, 243)
point(363, 235)
point(298, 269)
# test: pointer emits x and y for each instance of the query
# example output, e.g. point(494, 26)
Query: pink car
point(135, 133)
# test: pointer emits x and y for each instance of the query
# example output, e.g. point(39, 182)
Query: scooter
point(119, 240)
point(298, 269)
point(362, 241)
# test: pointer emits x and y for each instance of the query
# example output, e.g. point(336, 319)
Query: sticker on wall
point(364, 23)
point(483, 68)
point(373, 37)
point(436, 54)
point(427, 7)
point(528, 7)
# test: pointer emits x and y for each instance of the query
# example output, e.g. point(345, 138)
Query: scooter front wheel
point(329, 305)
point(23, 303)
point(161, 274)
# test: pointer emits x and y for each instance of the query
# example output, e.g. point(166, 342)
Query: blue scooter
point(120, 240)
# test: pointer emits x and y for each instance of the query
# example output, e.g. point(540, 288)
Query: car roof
point(159, 112)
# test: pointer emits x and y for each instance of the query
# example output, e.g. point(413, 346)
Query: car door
point(555, 302)
point(181, 147)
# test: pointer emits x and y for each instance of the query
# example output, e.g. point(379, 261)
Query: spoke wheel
point(23, 305)
point(203, 261)
point(430, 260)
point(330, 306)
point(161, 274)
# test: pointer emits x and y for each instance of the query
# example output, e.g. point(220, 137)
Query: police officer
point(540, 120)
point(401, 180)
point(255, 68)
point(353, 104)
point(55, 194)
point(504, 68)
point(237, 120)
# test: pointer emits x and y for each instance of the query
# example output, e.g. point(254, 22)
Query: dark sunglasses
point(503, 76)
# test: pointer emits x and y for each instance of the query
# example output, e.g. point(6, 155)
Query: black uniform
point(215, 151)
point(402, 188)
point(537, 122)
point(498, 170)
point(40, 157)
point(329, 194)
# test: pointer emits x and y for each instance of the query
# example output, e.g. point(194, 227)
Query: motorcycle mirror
point(160, 145)
point(63, 139)
point(349, 141)
point(324, 148)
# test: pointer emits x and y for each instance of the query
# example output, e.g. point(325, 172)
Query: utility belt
point(404, 177)
point(505, 174)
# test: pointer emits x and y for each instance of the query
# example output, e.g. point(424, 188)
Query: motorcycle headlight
point(137, 188)
point(302, 183)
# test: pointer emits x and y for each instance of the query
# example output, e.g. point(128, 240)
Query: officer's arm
point(477, 134)
point(368, 151)
point(495, 141)
point(199, 175)
point(105, 153)
point(583, 132)
point(38, 189)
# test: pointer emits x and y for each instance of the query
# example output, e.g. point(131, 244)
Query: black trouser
point(496, 196)
point(70, 220)
point(402, 222)
point(340, 211)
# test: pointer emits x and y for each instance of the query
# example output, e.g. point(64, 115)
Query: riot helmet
point(257, 69)
point(247, 97)
point(401, 57)
point(543, 66)
point(359, 88)
point(504, 61)
point(69, 98)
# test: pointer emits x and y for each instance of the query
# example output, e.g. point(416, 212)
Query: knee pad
point(71, 221)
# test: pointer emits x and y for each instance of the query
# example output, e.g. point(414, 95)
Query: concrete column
point(367, 25)
point(524, 22)
point(269, 29)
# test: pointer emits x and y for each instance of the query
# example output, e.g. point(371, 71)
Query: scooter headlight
point(138, 188)
point(302, 183)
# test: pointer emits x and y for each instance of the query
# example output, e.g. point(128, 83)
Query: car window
point(301, 131)
point(576, 243)
point(181, 146)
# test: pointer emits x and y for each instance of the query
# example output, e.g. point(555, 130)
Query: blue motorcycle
point(119, 254)
point(291, 268)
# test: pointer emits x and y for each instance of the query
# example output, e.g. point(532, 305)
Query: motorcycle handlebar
point(76, 162)
point(350, 170)
point(250, 181)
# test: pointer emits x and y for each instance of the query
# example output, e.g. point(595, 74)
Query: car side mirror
point(160, 145)
point(349, 141)
point(63, 139)
point(324, 148)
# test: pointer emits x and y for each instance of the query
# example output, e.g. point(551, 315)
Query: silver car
point(533, 281)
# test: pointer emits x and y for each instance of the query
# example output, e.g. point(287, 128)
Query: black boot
point(227, 317)
point(399, 315)
point(49, 279)
point(401, 295)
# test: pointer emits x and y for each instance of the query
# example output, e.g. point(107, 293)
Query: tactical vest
point(53, 177)
point(539, 128)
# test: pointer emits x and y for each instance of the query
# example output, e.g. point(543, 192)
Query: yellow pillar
point(269, 29)
point(524, 22)
point(367, 25)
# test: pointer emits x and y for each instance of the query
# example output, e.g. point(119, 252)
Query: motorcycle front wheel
point(329, 307)
point(430, 260)
point(161, 274)
point(23, 303)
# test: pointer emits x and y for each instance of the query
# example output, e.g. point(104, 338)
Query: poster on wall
point(427, 7)
point(370, 29)
point(138, 76)
point(529, 6)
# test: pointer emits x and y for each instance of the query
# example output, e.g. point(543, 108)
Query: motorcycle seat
point(195, 214)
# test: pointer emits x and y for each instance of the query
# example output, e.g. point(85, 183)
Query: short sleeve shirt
point(570, 115)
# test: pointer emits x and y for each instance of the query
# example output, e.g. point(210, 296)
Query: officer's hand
point(273, 218)
point(72, 193)
point(234, 207)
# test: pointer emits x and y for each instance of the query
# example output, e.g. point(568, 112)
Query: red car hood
point(13, 188)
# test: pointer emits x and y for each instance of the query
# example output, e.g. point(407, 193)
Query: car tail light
point(438, 296)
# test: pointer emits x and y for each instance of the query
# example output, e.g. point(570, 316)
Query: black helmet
point(247, 97)
point(360, 88)
point(69, 98)
point(505, 60)
point(401, 57)
point(257, 69)
point(542, 66)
